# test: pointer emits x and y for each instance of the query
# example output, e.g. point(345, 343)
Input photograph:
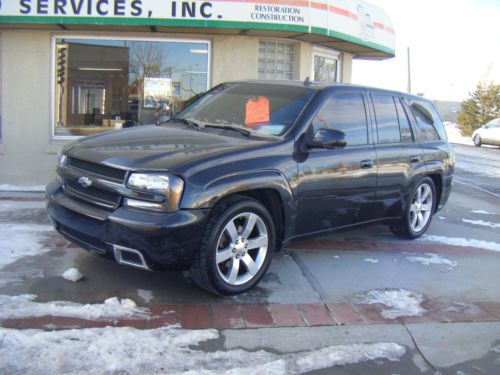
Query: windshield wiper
point(190, 123)
point(238, 129)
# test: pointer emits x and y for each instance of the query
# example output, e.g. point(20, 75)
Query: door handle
point(366, 164)
point(414, 159)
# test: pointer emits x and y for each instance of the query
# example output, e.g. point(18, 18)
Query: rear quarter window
point(429, 122)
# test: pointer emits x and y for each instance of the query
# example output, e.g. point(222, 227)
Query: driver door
point(337, 186)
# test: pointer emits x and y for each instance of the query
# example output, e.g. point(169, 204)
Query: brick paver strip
point(256, 315)
point(372, 313)
point(286, 315)
point(226, 316)
point(491, 307)
point(195, 316)
point(345, 313)
point(316, 314)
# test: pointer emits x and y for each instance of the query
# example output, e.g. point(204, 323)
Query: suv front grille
point(107, 173)
point(92, 194)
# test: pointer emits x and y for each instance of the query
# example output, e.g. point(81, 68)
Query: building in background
point(75, 68)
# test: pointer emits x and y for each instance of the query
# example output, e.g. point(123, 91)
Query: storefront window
point(275, 60)
point(106, 84)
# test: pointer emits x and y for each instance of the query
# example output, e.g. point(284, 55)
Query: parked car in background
point(247, 168)
point(488, 134)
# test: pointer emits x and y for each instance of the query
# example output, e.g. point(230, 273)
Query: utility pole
point(408, 89)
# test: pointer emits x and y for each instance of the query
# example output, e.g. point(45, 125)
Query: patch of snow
point(463, 242)
point(166, 351)
point(336, 257)
point(8, 206)
point(482, 223)
point(495, 349)
point(455, 135)
point(431, 258)
point(29, 188)
point(482, 212)
point(20, 240)
point(146, 295)
point(24, 306)
point(371, 260)
point(72, 274)
point(402, 302)
point(346, 354)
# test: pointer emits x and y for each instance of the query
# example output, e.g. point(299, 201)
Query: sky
point(454, 44)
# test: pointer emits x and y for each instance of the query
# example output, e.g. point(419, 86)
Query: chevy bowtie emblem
point(85, 182)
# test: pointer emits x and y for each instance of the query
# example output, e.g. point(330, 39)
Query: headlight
point(169, 186)
point(61, 159)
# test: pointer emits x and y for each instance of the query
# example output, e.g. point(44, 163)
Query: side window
point(404, 123)
point(431, 127)
point(346, 113)
point(387, 119)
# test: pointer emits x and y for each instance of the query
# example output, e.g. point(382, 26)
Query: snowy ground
point(166, 351)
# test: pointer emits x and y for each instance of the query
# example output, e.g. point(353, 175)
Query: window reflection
point(109, 84)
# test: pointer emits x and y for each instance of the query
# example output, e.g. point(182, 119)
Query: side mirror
point(327, 138)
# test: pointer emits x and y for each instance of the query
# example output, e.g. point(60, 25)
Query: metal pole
point(408, 89)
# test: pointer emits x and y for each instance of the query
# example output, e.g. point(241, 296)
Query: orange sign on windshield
point(257, 111)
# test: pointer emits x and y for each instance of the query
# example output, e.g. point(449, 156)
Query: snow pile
point(481, 223)
point(21, 240)
point(29, 188)
point(345, 354)
point(164, 350)
point(73, 274)
point(371, 260)
point(402, 302)
point(463, 242)
point(454, 135)
point(482, 212)
point(9, 206)
point(23, 306)
point(431, 258)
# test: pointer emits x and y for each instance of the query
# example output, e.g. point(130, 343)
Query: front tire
point(419, 211)
point(477, 140)
point(237, 247)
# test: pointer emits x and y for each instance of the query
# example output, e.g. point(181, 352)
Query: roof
point(325, 85)
point(357, 27)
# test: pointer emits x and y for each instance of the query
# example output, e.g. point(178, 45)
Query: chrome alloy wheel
point(421, 208)
point(242, 248)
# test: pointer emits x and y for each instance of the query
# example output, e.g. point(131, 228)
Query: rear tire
point(419, 211)
point(477, 140)
point(237, 247)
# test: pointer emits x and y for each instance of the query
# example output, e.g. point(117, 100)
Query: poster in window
point(156, 92)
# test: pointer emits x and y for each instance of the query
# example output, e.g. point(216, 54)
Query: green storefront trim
point(133, 21)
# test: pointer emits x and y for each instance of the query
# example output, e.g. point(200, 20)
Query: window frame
point(410, 102)
point(332, 94)
point(80, 36)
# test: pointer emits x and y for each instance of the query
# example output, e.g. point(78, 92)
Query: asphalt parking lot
point(327, 292)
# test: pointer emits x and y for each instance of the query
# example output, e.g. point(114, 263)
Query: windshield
point(261, 108)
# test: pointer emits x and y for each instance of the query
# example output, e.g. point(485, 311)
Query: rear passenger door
point(399, 155)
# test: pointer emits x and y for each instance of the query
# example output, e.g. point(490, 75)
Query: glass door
point(326, 65)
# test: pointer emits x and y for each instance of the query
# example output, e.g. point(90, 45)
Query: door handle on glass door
point(365, 164)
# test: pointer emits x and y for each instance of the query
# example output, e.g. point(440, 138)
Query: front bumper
point(167, 241)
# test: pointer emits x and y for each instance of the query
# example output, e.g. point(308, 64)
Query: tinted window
point(431, 127)
point(404, 124)
point(344, 112)
point(387, 119)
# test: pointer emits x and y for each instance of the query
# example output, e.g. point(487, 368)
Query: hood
point(154, 147)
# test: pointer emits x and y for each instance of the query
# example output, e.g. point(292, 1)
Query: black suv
point(248, 167)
